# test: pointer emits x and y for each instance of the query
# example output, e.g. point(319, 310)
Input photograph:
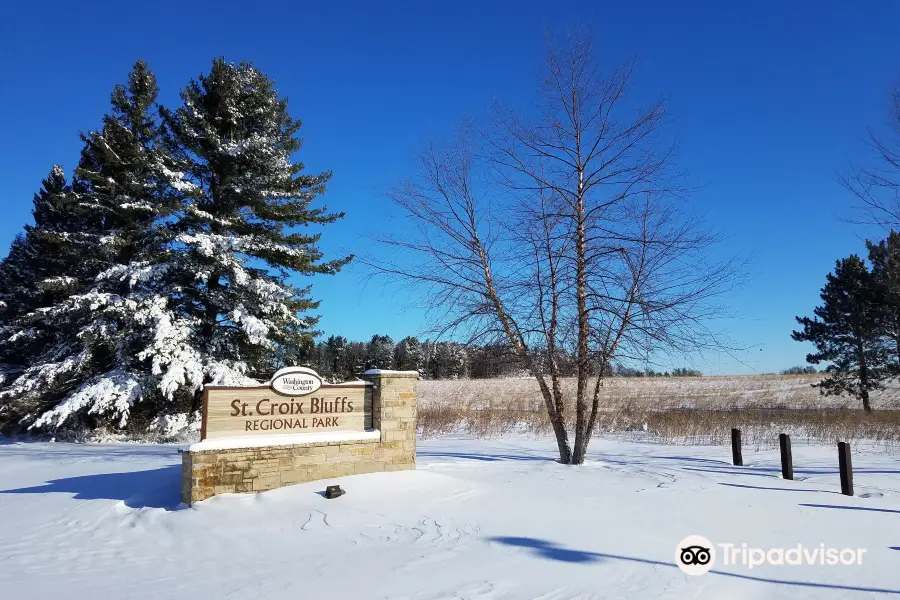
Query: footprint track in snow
point(462, 494)
point(315, 519)
point(482, 590)
point(425, 532)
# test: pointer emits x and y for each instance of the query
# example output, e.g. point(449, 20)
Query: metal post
point(787, 465)
point(846, 467)
point(736, 457)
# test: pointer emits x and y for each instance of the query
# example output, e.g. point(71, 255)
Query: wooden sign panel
point(260, 411)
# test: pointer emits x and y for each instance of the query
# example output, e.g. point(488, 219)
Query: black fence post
point(736, 457)
point(787, 465)
point(846, 467)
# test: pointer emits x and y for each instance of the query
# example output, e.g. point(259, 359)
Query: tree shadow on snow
point(775, 471)
point(40, 449)
point(735, 471)
point(485, 457)
point(154, 488)
point(776, 489)
point(551, 551)
point(712, 461)
point(865, 508)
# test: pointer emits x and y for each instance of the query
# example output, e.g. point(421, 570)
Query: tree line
point(798, 370)
point(339, 359)
point(162, 263)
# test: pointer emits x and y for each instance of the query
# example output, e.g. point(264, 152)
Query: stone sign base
point(254, 465)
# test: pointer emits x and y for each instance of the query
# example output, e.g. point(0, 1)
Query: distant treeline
point(807, 370)
point(339, 359)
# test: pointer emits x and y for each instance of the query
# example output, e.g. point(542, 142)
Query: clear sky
point(773, 99)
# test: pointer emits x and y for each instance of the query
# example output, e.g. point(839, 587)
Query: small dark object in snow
point(787, 463)
point(333, 491)
point(846, 468)
point(736, 457)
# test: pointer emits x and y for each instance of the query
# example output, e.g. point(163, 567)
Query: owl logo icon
point(695, 555)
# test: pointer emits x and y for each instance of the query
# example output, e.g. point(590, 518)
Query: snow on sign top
point(295, 381)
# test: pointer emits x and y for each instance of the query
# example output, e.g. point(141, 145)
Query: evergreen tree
point(408, 355)
point(380, 352)
point(11, 268)
point(45, 263)
point(885, 260)
point(455, 359)
point(356, 358)
point(119, 172)
point(115, 338)
point(165, 264)
point(847, 332)
point(446, 360)
point(17, 290)
point(234, 141)
point(42, 267)
point(336, 358)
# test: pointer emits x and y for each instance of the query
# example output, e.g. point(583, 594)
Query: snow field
point(478, 519)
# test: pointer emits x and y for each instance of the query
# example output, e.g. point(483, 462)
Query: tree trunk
point(583, 329)
point(863, 379)
point(557, 420)
point(562, 440)
point(595, 405)
point(197, 402)
point(207, 332)
point(210, 311)
point(559, 424)
point(897, 345)
point(559, 427)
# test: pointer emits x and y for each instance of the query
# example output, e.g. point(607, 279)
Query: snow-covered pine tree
point(116, 341)
point(120, 170)
point(333, 360)
point(408, 355)
point(234, 142)
point(445, 360)
point(380, 352)
point(17, 290)
point(43, 266)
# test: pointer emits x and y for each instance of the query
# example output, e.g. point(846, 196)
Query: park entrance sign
point(294, 401)
point(298, 428)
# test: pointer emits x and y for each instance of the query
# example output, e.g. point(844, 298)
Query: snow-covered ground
point(478, 519)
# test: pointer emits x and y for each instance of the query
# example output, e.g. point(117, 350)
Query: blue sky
point(772, 98)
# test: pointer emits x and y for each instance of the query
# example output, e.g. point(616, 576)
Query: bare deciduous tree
point(878, 186)
point(562, 231)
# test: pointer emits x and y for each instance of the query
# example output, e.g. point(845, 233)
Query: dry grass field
point(691, 410)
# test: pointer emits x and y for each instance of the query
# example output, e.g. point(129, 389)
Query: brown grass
point(691, 410)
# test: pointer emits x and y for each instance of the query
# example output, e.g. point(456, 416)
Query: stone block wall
point(394, 411)
point(206, 473)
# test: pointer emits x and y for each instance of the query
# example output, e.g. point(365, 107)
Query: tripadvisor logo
point(696, 555)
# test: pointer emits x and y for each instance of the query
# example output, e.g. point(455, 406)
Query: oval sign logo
point(295, 381)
